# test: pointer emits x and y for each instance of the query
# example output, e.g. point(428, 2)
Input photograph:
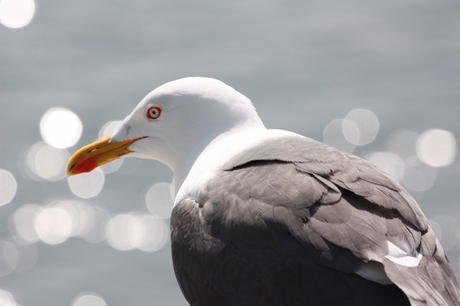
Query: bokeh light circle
point(58, 221)
point(23, 223)
point(8, 187)
point(437, 148)
point(351, 131)
point(156, 233)
point(60, 128)
point(16, 13)
point(28, 256)
point(417, 175)
point(29, 167)
point(450, 228)
point(50, 163)
point(365, 129)
point(109, 129)
point(159, 200)
point(87, 185)
point(136, 230)
point(8, 257)
point(333, 136)
point(44, 162)
point(89, 300)
point(7, 299)
point(74, 210)
point(53, 225)
point(403, 143)
point(119, 232)
point(389, 162)
point(91, 224)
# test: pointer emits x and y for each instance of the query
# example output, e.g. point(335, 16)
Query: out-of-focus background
point(380, 79)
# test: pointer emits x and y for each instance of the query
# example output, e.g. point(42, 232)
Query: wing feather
point(341, 210)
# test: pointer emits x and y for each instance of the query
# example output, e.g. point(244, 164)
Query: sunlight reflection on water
point(159, 200)
point(23, 221)
point(9, 257)
point(92, 222)
point(364, 129)
point(7, 299)
point(411, 160)
point(89, 300)
point(87, 185)
point(437, 148)
point(402, 143)
point(333, 135)
point(358, 128)
point(16, 13)
point(391, 163)
point(418, 176)
point(8, 187)
point(47, 162)
point(136, 230)
point(53, 225)
point(447, 230)
point(60, 128)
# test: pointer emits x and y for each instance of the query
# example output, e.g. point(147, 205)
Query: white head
point(173, 124)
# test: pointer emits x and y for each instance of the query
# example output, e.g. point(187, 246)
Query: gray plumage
point(289, 222)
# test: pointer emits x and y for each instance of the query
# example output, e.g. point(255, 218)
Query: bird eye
point(153, 112)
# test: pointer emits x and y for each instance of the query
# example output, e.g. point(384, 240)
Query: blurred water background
point(379, 79)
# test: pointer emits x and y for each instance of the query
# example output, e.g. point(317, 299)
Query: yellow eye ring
point(153, 112)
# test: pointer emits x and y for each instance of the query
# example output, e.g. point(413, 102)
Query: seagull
point(269, 217)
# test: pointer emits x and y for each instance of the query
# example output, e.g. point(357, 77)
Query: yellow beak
point(97, 154)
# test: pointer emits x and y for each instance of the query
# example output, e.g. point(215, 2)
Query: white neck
point(210, 155)
point(190, 179)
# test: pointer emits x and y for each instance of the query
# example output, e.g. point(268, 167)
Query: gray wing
point(341, 207)
point(246, 243)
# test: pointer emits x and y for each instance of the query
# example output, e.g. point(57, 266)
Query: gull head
point(173, 124)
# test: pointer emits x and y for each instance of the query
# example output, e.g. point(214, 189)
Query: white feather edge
point(374, 270)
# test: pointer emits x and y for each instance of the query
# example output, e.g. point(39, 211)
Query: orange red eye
point(153, 112)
